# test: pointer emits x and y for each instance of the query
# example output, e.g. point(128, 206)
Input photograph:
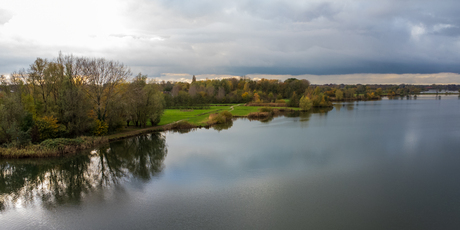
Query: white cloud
point(417, 31)
point(439, 27)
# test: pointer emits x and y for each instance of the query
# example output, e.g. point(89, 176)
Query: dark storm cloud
point(317, 37)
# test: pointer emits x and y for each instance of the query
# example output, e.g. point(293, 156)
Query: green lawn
point(200, 116)
point(244, 110)
point(195, 116)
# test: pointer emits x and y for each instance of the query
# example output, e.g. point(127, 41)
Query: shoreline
point(40, 151)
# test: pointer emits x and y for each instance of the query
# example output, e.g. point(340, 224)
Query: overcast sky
point(342, 41)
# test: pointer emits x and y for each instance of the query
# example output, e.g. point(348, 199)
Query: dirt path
point(233, 108)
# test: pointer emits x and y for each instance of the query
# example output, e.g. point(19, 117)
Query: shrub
point(280, 101)
point(155, 121)
point(60, 143)
point(266, 109)
point(220, 118)
point(228, 116)
point(216, 118)
point(101, 128)
point(48, 127)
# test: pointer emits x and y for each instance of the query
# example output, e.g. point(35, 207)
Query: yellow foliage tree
point(256, 97)
point(245, 95)
point(305, 103)
point(101, 128)
point(48, 127)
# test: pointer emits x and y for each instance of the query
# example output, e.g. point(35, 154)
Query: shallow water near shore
point(389, 164)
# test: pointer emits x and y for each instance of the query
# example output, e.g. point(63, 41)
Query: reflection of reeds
point(182, 125)
point(258, 115)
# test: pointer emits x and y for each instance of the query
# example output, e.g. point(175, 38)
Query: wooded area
point(73, 96)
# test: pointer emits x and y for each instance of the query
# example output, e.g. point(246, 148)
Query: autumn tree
point(294, 100)
point(145, 101)
point(339, 94)
point(73, 106)
point(101, 80)
point(305, 103)
point(38, 80)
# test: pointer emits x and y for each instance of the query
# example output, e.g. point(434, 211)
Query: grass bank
point(189, 118)
point(172, 119)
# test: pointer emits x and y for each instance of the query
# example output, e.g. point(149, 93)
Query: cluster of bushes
point(220, 118)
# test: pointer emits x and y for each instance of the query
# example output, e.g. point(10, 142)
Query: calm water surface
point(390, 164)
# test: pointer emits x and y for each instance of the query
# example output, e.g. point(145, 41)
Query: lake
point(388, 164)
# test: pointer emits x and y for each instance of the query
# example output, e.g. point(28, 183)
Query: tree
point(192, 90)
point(38, 79)
point(72, 101)
point(256, 97)
point(305, 103)
point(145, 101)
point(339, 94)
point(220, 94)
point(294, 100)
point(12, 118)
point(101, 79)
point(271, 97)
point(193, 79)
point(246, 87)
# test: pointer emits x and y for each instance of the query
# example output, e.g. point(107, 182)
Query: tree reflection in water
point(51, 182)
point(224, 126)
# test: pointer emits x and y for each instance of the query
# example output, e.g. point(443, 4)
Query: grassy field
point(244, 110)
point(196, 116)
point(200, 116)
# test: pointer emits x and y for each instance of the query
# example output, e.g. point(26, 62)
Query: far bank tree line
point(243, 90)
point(73, 96)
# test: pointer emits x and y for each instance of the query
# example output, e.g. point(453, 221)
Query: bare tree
point(37, 78)
point(210, 91)
point(221, 93)
point(192, 90)
point(101, 78)
point(175, 90)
